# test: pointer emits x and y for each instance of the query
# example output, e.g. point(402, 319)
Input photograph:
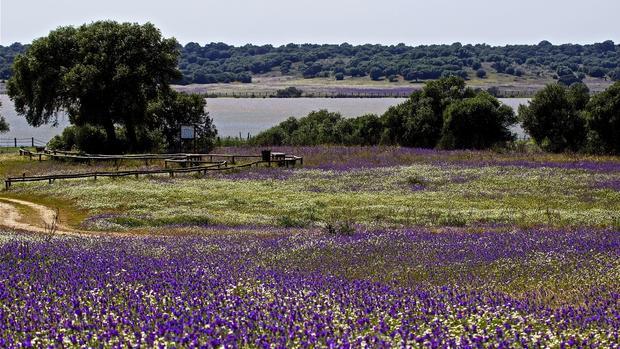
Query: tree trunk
point(111, 135)
point(132, 140)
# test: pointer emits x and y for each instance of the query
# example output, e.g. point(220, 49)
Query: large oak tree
point(103, 74)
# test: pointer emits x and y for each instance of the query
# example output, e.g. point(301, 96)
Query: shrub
point(90, 139)
point(603, 121)
point(289, 92)
point(481, 73)
point(476, 123)
point(339, 76)
point(553, 117)
point(64, 141)
point(287, 221)
point(376, 73)
point(418, 121)
point(4, 126)
point(338, 226)
point(272, 136)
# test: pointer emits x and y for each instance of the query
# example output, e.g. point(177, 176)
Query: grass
point(441, 194)
point(372, 246)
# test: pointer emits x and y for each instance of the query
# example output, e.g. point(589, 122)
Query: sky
point(414, 22)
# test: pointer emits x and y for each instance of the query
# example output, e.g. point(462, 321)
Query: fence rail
point(188, 160)
point(21, 142)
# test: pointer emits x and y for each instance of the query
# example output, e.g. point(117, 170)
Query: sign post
point(188, 133)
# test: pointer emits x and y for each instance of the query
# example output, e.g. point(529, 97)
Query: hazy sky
point(329, 21)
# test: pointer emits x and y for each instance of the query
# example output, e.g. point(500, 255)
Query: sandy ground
point(11, 218)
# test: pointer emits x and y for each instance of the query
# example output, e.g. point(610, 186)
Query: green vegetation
point(219, 62)
point(603, 121)
point(116, 102)
point(553, 117)
point(444, 113)
point(418, 188)
point(4, 126)
point(476, 123)
point(560, 119)
point(289, 92)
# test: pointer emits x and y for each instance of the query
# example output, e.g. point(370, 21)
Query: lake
point(239, 115)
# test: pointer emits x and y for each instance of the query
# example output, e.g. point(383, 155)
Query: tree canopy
point(173, 109)
point(477, 123)
point(444, 113)
point(219, 62)
point(104, 74)
point(4, 126)
point(603, 121)
point(554, 117)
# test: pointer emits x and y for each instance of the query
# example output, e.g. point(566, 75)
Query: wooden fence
point(189, 161)
point(21, 142)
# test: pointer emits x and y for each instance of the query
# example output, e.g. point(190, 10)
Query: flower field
point(259, 288)
point(362, 247)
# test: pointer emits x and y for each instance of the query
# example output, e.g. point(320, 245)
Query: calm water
point(237, 115)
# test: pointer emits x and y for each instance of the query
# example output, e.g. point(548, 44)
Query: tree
point(553, 117)
point(362, 130)
point(603, 121)
point(376, 73)
point(4, 126)
point(614, 75)
point(81, 70)
point(173, 109)
point(418, 122)
point(289, 92)
point(477, 123)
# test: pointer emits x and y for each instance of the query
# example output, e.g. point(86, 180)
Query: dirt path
point(10, 217)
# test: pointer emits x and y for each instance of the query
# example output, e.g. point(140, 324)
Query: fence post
point(15, 139)
point(33, 142)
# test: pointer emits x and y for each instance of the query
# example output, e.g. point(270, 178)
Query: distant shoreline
point(323, 88)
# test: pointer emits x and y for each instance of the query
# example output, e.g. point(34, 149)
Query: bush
point(272, 136)
point(90, 139)
point(569, 79)
point(289, 92)
point(481, 73)
point(418, 121)
point(339, 76)
point(4, 126)
point(476, 123)
point(553, 117)
point(337, 225)
point(64, 141)
point(603, 121)
point(376, 73)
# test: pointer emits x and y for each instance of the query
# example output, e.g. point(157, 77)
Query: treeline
point(446, 114)
point(570, 119)
point(219, 62)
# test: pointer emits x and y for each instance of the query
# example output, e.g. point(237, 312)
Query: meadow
point(375, 247)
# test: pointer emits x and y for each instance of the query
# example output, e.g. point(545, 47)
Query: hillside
point(367, 64)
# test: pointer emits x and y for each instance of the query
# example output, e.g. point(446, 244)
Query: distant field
point(268, 85)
